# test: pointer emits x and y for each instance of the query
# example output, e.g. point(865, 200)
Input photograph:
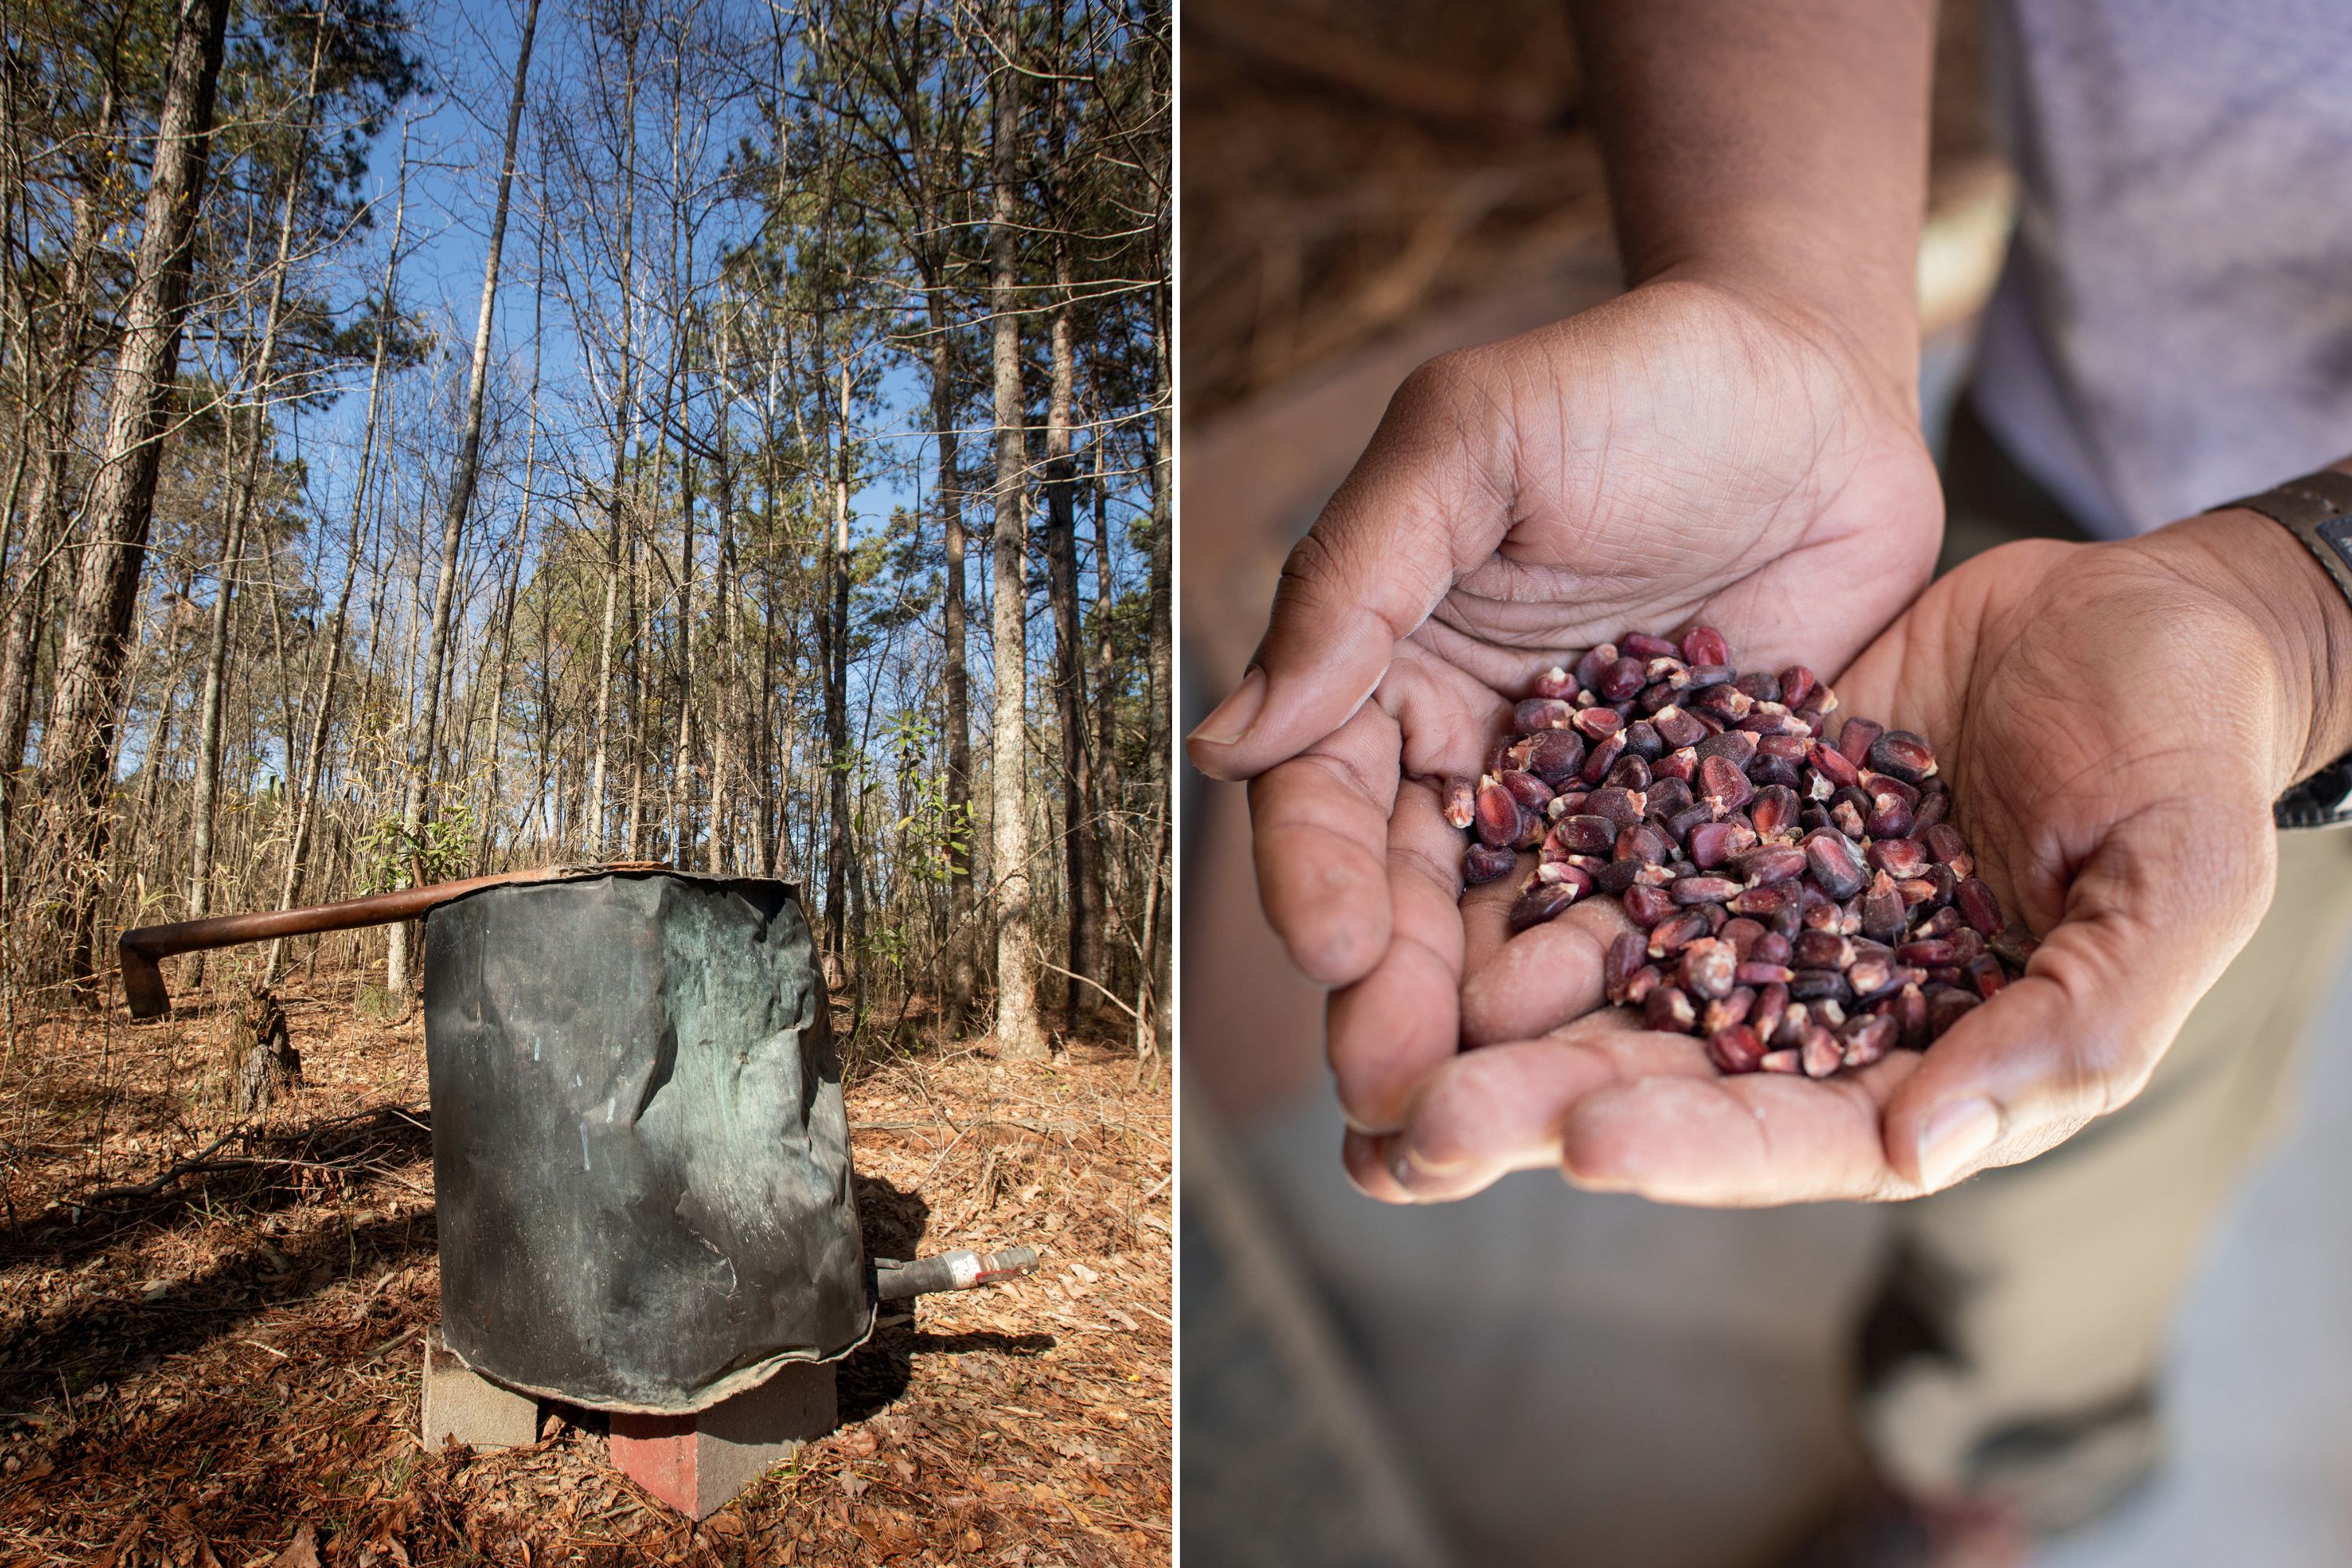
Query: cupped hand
point(2115, 721)
point(1686, 451)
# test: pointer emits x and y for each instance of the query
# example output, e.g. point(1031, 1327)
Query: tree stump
point(262, 1060)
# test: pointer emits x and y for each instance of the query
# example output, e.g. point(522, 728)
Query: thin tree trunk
point(727, 697)
point(461, 502)
point(774, 833)
point(594, 835)
point(213, 694)
point(44, 502)
point(1081, 857)
point(642, 609)
point(962, 979)
point(1163, 686)
point(639, 628)
point(834, 611)
point(1018, 1035)
point(521, 546)
point(682, 765)
point(240, 508)
point(1109, 797)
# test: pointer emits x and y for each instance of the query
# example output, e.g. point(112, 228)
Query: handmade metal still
point(640, 1153)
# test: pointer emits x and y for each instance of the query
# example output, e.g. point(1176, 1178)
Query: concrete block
point(462, 1405)
point(698, 1463)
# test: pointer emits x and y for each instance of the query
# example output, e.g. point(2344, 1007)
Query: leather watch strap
point(2317, 509)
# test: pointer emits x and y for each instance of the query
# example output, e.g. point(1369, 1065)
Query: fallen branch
point(200, 1163)
point(1083, 981)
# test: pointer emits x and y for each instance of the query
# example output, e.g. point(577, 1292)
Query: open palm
point(1682, 452)
point(2115, 721)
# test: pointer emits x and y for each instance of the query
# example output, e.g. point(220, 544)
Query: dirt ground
point(220, 1367)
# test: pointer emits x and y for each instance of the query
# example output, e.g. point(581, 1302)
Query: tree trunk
point(213, 695)
point(314, 755)
point(1081, 857)
point(640, 629)
point(31, 584)
point(461, 502)
point(1017, 1032)
point(496, 783)
point(240, 508)
point(1163, 686)
point(1109, 794)
point(682, 765)
point(733, 723)
point(956, 721)
point(595, 836)
point(596, 814)
point(838, 844)
point(79, 745)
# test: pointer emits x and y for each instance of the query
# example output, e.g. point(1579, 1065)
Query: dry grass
point(223, 1367)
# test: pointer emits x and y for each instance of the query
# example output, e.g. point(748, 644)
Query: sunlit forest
point(732, 433)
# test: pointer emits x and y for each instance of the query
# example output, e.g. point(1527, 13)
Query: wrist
point(1851, 312)
point(1774, 145)
point(2265, 574)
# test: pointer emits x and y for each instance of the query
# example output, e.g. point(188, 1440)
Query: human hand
point(2115, 721)
point(1688, 450)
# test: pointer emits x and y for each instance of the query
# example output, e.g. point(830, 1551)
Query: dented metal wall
point(638, 1140)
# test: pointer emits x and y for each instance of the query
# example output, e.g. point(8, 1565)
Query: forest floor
point(222, 1369)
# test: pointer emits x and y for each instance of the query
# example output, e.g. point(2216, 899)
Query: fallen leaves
point(302, 1552)
point(271, 1386)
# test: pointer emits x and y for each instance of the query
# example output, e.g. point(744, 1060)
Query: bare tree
point(461, 499)
point(715, 607)
point(314, 753)
point(1017, 1031)
point(240, 506)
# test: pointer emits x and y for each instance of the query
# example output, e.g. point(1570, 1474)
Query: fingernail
point(1956, 1133)
point(1366, 1163)
point(1231, 718)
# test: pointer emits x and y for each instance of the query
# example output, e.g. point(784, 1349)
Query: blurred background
point(1541, 1375)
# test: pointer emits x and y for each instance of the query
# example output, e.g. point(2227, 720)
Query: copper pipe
point(142, 950)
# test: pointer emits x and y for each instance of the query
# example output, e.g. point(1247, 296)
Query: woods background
point(730, 432)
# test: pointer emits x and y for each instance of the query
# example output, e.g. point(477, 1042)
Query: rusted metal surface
point(142, 950)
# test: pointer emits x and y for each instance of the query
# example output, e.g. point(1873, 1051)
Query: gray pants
point(2014, 1345)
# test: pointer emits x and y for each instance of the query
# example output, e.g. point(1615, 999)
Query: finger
point(1500, 1109)
point(1319, 833)
point(1371, 1166)
point(2152, 918)
point(1486, 921)
point(1540, 979)
point(1320, 821)
point(1409, 517)
point(1391, 1028)
point(1450, 719)
point(1737, 1142)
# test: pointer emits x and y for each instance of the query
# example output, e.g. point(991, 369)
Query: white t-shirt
point(2174, 324)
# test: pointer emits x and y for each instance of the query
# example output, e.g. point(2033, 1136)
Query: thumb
point(2154, 915)
point(1411, 517)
